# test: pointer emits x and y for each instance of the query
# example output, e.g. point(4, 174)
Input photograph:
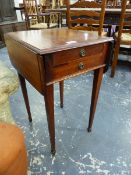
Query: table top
point(53, 40)
point(113, 10)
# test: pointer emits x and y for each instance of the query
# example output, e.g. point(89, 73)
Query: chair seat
point(125, 38)
point(43, 26)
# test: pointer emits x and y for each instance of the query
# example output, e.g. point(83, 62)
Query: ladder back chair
point(123, 36)
point(36, 19)
point(82, 12)
point(86, 15)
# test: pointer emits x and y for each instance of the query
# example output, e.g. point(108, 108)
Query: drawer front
point(67, 56)
point(72, 67)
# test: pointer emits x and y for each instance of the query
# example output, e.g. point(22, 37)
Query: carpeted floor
point(104, 151)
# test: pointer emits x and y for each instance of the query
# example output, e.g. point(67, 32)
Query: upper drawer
point(67, 56)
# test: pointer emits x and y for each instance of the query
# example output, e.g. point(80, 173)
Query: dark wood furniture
point(45, 57)
point(7, 12)
point(123, 37)
point(9, 26)
point(8, 19)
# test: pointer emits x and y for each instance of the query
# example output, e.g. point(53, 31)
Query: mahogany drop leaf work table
point(44, 57)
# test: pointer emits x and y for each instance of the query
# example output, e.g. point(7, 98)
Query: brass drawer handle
point(82, 52)
point(81, 66)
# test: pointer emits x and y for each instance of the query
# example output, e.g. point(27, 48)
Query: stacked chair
point(36, 18)
point(123, 36)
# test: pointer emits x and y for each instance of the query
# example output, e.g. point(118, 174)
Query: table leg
point(61, 87)
point(98, 74)
point(49, 104)
point(25, 95)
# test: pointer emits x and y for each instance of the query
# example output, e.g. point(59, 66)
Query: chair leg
point(113, 69)
point(61, 87)
point(115, 60)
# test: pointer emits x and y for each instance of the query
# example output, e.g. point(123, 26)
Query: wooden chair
point(123, 36)
point(36, 19)
point(86, 15)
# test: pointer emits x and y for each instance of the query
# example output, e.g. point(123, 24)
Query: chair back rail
point(87, 13)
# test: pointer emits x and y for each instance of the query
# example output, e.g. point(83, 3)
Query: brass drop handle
point(82, 52)
point(81, 66)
